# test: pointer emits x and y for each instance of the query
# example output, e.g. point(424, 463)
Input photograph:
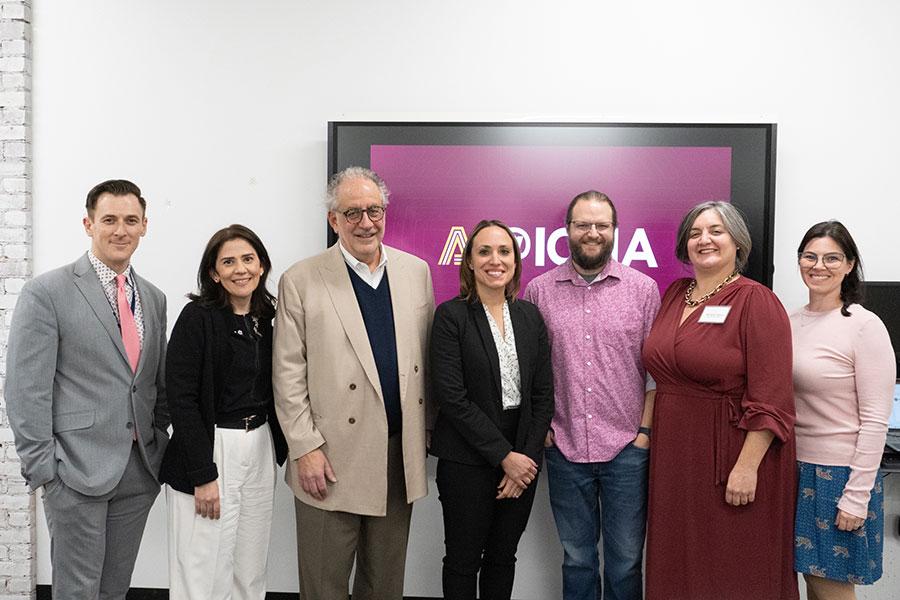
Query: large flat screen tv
point(445, 177)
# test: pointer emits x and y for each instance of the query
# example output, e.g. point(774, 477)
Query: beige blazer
point(327, 392)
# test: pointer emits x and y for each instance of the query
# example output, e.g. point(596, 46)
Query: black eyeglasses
point(354, 215)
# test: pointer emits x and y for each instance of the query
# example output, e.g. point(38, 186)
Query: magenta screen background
point(434, 188)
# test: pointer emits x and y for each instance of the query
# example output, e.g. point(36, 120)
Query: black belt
point(246, 423)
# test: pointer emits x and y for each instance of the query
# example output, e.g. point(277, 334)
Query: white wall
point(218, 109)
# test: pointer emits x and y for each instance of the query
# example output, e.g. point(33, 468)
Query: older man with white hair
point(349, 378)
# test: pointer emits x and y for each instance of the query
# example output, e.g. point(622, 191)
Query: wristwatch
point(644, 430)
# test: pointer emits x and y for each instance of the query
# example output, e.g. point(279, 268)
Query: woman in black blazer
point(220, 463)
point(491, 377)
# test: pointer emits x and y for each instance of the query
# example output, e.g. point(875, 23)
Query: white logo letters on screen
point(544, 247)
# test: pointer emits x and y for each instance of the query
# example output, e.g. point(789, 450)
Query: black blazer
point(198, 358)
point(465, 382)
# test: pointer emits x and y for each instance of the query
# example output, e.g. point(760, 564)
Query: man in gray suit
point(86, 398)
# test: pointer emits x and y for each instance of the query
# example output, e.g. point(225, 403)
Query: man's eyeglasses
point(583, 227)
point(354, 215)
point(832, 260)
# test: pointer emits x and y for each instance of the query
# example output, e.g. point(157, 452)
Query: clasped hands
point(314, 473)
point(518, 473)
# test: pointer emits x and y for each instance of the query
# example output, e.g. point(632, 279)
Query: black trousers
point(480, 532)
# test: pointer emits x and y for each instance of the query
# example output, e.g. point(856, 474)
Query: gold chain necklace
point(690, 291)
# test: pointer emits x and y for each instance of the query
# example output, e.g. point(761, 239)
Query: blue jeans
point(577, 493)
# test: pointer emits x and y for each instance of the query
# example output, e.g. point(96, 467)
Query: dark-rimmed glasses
point(831, 260)
point(354, 215)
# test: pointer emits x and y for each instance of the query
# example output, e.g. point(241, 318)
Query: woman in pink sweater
point(844, 373)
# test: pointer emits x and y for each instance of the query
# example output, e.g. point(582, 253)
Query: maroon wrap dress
point(715, 382)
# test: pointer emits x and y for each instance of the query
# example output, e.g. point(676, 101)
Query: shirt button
point(588, 363)
point(587, 310)
point(589, 389)
point(421, 401)
point(589, 287)
point(416, 368)
point(351, 420)
point(590, 416)
point(352, 386)
point(587, 337)
point(129, 425)
point(134, 388)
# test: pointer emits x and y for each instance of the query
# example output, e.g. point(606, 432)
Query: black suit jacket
point(197, 361)
point(465, 382)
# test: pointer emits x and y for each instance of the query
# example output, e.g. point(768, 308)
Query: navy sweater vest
point(378, 315)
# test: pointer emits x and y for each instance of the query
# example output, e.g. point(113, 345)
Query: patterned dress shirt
point(510, 377)
point(596, 332)
point(108, 280)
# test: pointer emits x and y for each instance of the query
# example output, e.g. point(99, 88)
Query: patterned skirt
point(821, 549)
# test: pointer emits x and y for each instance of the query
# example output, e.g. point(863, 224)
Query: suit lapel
point(88, 284)
point(404, 315)
point(151, 324)
point(487, 339)
point(337, 282)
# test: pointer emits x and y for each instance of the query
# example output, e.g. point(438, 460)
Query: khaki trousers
point(329, 541)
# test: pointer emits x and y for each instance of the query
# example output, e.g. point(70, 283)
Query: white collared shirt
point(372, 278)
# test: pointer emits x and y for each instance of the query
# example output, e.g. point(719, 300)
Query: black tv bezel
point(753, 156)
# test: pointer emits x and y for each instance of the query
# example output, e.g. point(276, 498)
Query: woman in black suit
point(491, 377)
point(220, 463)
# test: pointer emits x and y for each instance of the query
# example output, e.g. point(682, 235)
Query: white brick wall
point(17, 527)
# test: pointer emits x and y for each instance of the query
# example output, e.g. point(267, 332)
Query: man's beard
point(590, 262)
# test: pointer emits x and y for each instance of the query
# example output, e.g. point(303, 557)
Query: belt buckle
point(246, 421)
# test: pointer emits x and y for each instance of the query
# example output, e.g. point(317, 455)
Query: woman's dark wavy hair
point(852, 288)
point(467, 287)
point(212, 294)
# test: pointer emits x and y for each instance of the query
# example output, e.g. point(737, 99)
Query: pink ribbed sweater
point(844, 374)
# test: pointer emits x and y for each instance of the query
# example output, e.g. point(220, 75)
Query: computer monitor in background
point(892, 442)
point(894, 422)
point(883, 299)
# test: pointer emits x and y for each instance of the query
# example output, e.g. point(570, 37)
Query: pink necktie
point(127, 325)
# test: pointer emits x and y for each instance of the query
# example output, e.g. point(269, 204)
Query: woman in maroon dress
point(722, 471)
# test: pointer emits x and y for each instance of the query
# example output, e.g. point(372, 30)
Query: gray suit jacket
point(72, 399)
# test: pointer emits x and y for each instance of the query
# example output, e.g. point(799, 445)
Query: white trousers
point(225, 559)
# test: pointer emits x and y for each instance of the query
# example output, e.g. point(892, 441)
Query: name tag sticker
point(714, 314)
